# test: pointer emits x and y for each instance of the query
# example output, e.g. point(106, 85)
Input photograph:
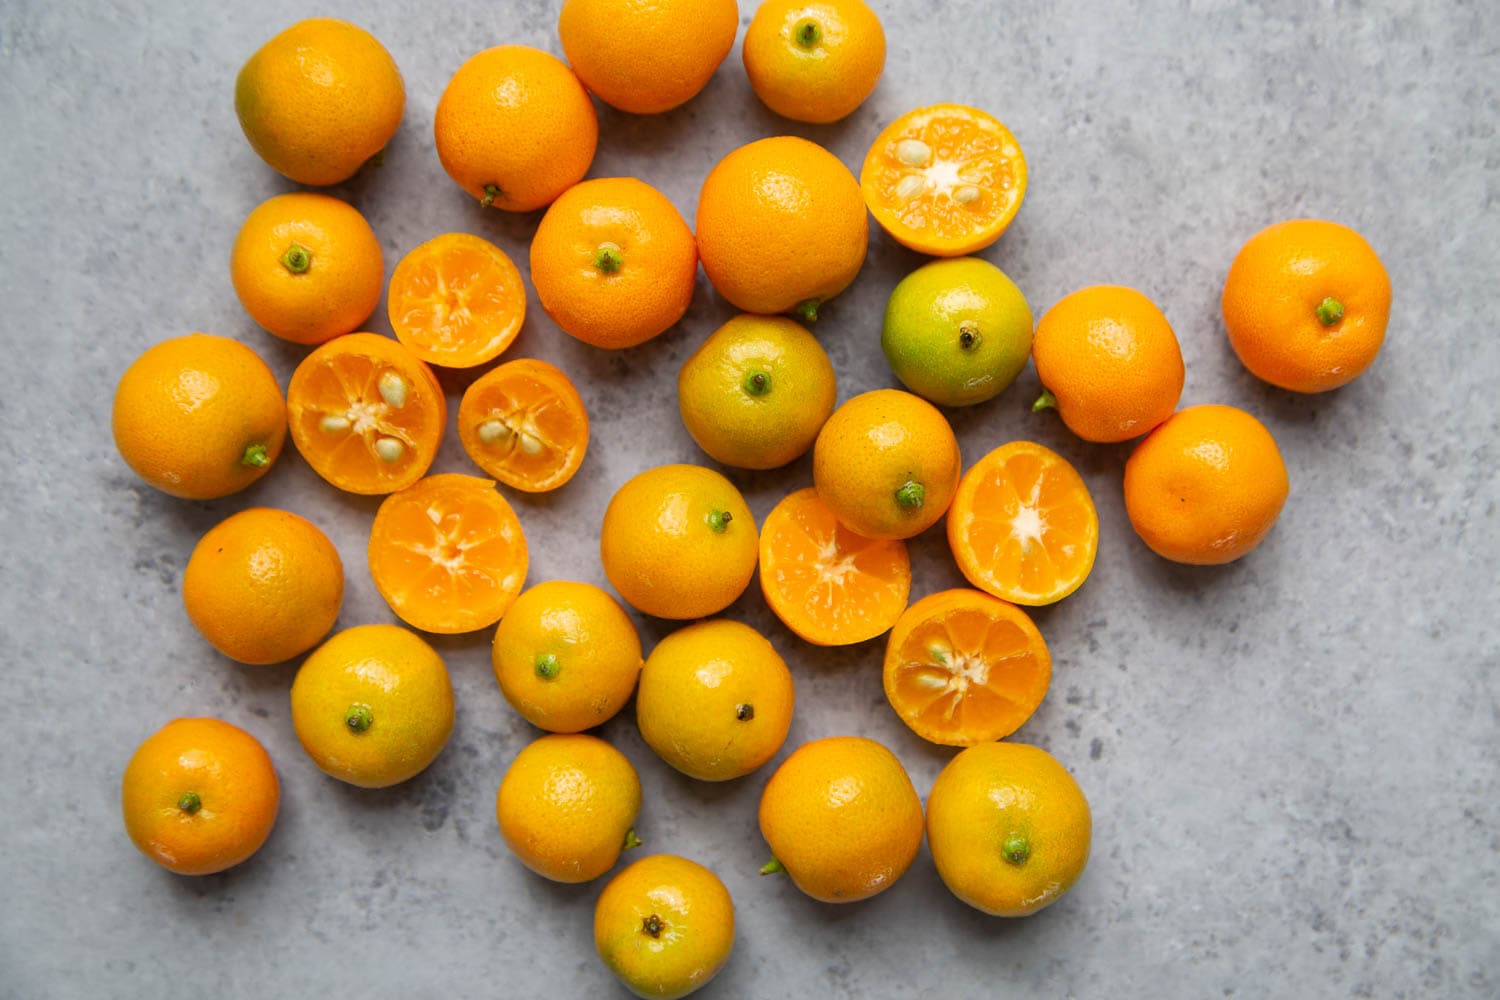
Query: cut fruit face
point(524, 423)
point(448, 554)
point(963, 668)
point(456, 301)
point(1023, 526)
point(944, 180)
point(829, 585)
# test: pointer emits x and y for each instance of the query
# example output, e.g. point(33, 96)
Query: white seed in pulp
point(966, 194)
point(492, 430)
point(913, 152)
point(392, 389)
point(333, 424)
point(389, 449)
point(911, 185)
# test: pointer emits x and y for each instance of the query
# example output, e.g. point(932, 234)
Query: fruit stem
point(190, 802)
point(491, 192)
point(719, 521)
point(631, 840)
point(359, 718)
point(547, 666)
point(608, 259)
point(758, 382)
point(1016, 849)
point(1046, 401)
point(808, 309)
point(1330, 311)
point(968, 337)
point(297, 259)
point(773, 867)
point(745, 712)
point(652, 925)
point(808, 34)
point(256, 456)
point(910, 495)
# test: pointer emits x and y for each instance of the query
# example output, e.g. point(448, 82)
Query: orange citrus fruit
point(1008, 827)
point(523, 422)
point(613, 262)
point(199, 796)
point(448, 554)
point(373, 705)
point(1109, 362)
point(841, 818)
point(1306, 304)
point(263, 585)
point(1023, 526)
point(199, 416)
point(664, 926)
point(566, 656)
point(456, 301)
point(814, 61)
point(366, 413)
point(566, 806)
point(319, 100)
point(827, 583)
point(647, 57)
point(515, 128)
point(781, 226)
point(944, 180)
point(886, 463)
point(1205, 486)
point(962, 667)
point(678, 542)
point(756, 392)
point(715, 700)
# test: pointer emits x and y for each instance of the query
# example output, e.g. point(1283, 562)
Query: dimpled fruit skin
point(821, 82)
point(695, 917)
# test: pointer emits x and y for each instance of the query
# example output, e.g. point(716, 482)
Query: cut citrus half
point(366, 414)
point(1023, 526)
point(524, 423)
point(962, 667)
point(829, 585)
point(944, 180)
point(448, 554)
point(456, 301)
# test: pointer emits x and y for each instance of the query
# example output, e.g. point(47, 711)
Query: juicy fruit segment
point(366, 414)
point(664, 926)
point(524, 423)
point(1023, 526)
point(448, 554)
point(944, 180)
point(814, 62)
point(963, 668)
point(827, 583)
point(646, 58)
point(456, 301)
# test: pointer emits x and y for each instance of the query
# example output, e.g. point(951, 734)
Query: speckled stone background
point(1292, 761)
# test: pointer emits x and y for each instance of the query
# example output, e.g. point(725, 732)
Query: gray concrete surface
point(1292, 761)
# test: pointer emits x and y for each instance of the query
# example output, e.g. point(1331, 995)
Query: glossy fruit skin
point(715, 700)
point(781, 226)
point(647, 56)
point(319, 100)
point(1008, 827)
point(870, 452)
point(566, 656)
point(199, 796)
point(566, 804)
point(809, 79)
point(1271, 300)
point(957, 332)
point(688, 942)
point(199, 416)
point(640, 291)
point(515, 119)
point(544, 428)
point(1206, 486)
point(456, 273)
point(1110, 360)
point(263, 585)
point(387, 679)
point(755, 394)
point(842, 817)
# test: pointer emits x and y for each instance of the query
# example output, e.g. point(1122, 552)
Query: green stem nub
point(631, 840)
point(547, 666)
point(256, 456)
point(808, 309)
point(190, 802)
point(719, 521)
point(491, 193)
point(773, 867)
point(297, 259)
point(758, 382)
point(911, 495)
point(1330, 311)
point(745, 712)
point(652, 925)
point(808, 34)
point(1046, 401)
point(359, 718)
point(1016, 849)
point(968, 337)
point(608, 259)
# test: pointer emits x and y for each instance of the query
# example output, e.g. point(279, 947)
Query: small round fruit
point(842, 819)
point(755, 393)
point(1306, 304)
point(566, 656)
point(524, 423)
point(957, 332)
point(199, 796)
point(567, 805)
point(886, 463)
point(1109, 362)
point(263, 585)
point(456, 301)
point(646, 58)
point(814, 61)
point(715, 700)
point(373, 705)
point(664, 926)
point(199, 416)
point(1206, 486)
point(319, 100)
point(1008, 828)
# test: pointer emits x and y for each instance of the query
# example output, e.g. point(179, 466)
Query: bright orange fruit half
point(944, 180)
point(448, 554)
point(962, 668)
point(1022, 525)
point(524, 423)
point(829, 585)
point(456, 301)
